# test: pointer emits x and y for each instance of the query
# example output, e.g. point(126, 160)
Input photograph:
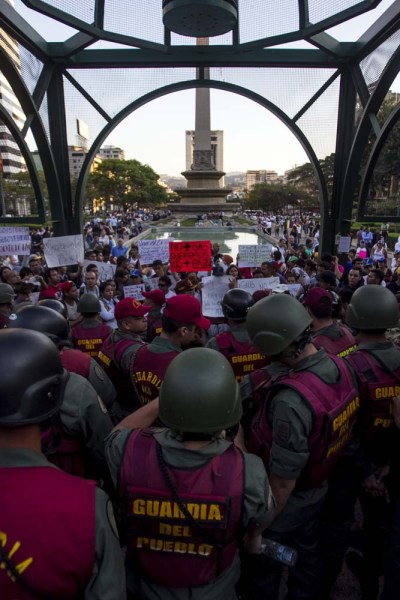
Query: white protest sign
point(152, 283)
point(258, 283)
point(134, 291)
point(252, 255)
point(151, 250)
point(62, 251)
point(294, 288)
point(106, 270)
point(212, 292)
point(15, 240)
point(344, 244)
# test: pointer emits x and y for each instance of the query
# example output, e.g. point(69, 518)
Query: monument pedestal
point(203, 192)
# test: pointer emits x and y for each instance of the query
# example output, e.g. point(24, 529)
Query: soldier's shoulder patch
point(282, 431)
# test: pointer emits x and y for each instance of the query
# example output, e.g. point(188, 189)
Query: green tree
point(275, 197)
point(126, 182)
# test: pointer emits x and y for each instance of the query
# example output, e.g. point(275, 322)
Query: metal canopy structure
point(328, 93)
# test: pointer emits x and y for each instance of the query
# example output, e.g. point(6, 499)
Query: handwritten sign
point(344, 244)
point(190, 256)
point(252, 255)
point(258, 283)
point(134, 291)
point(15, 240)
point(62, 251)
point(106, 270)
point(151, 250)
point(212, 292)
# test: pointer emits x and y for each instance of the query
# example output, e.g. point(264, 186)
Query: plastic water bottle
point(279, 552)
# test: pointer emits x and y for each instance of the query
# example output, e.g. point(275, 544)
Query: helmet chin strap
point(298, 345)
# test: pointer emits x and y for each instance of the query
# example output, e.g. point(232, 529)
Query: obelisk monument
point(203, 180)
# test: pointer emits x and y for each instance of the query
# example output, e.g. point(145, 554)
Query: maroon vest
point(335, 410)
point(76, 361)
point(173, 550)
point(63, 451)
point(109, 357)
point(147, 372)
point(341, 346)
point(243, 356)
point(48, 519)
point(91, 339)
point(377, 390)
point(154, 328)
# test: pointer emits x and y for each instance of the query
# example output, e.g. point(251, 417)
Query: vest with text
point(335, 409)
point(243, 356)
point(47, 532)
point(172, 549)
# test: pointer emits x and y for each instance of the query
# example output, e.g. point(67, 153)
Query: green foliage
point(276, 197)
point(126, 182)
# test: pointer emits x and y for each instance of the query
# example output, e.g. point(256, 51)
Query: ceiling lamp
point(200, 18)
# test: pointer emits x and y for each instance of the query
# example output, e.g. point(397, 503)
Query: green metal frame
point(75, 53)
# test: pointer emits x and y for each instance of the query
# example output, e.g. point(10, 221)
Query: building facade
point(107, 152)
point(255, 177)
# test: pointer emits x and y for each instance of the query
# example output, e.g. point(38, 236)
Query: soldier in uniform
point(56, 327)
point(181, 316)
point(6, 303)
point(187, 492)
point(307, 409)
point(90, 333)
point(58, 537)
point(154, 300)
point(119, 349)
point(373, 310)
point(335, 338)
point(74, 440)
point(235, 344)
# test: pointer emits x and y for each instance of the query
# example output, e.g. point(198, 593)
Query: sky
point(253, 137)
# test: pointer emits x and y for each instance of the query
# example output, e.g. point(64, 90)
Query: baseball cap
point(157, 296)
point(33, 257)
point(129, 307)
point(186, 309)
point(66, 286)
point(317, 298)
point(260, 294)
point(368, 262)
point(136, 273)
point(6, 293)
point(293, 258)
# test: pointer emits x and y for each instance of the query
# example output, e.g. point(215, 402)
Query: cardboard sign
point(151, 250)
point(15, 240)
point(252, 255)
point(212, 292)
point(258, 283)
point(106, 270)
point(134, 291)
point(63, 251)
point(190, 256)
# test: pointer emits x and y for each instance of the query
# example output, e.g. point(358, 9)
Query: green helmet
point(275, 322)
point(372, 307)
point(88, 303)
point(199, 393)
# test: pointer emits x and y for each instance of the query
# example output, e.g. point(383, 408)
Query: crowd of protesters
point(198, 468)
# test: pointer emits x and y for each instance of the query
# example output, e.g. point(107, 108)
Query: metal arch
point(9, 122)
point(391, 121)
point(38, 131)
point(364, 127)
point(176, 87)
